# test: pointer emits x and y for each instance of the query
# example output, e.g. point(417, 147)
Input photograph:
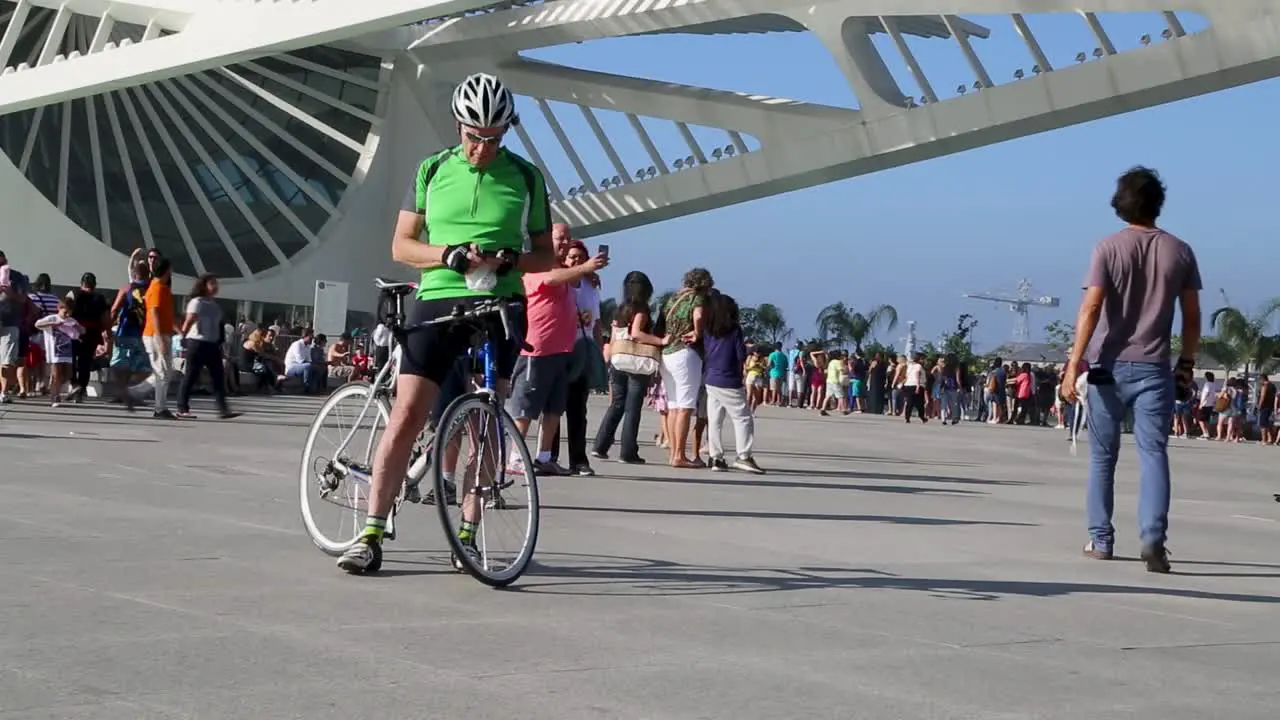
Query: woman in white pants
point(726, 353)
point(681, 363)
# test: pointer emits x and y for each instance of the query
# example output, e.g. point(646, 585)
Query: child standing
point(754, 368)
point(726, 357)
point(59, 330)
point(837, 383)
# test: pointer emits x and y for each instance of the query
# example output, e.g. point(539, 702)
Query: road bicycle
point(475, 440)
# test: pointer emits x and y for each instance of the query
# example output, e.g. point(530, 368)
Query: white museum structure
point(271, 142)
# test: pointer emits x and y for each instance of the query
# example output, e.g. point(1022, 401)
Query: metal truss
point(803, 144)
point(209, 104)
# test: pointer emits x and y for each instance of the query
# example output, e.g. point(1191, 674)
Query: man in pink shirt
point(541, 378)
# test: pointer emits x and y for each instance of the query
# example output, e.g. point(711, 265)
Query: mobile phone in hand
point(604, 250)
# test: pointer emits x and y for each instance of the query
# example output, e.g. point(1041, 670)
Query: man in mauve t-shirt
point(1123, 330)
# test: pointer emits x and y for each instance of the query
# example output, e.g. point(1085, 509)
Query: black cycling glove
point(455, 258)
point(508, 258)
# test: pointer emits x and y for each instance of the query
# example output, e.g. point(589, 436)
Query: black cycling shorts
point(431, 352)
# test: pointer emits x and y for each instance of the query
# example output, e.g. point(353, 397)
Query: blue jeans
point(1147, 388)
point(626, 403)
point(951, 406)
point(307, 372)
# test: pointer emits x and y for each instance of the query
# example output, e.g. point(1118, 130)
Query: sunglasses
point(483, 140)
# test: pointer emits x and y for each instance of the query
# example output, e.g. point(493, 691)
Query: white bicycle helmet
point(482, 101)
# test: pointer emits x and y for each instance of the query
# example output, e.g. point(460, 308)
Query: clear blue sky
point(1032, 207)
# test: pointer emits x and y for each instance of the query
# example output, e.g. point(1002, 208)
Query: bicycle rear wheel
point(497, 491)
point(337, 464)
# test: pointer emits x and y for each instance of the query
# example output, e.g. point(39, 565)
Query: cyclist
point(476, 217)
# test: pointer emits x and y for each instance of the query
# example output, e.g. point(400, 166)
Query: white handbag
point(628, 356)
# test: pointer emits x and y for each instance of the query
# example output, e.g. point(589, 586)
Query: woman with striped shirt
point(32, 373)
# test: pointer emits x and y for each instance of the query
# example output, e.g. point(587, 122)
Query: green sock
point(467, 531)
point(374, 527)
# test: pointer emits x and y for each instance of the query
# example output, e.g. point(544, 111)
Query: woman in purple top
point(726, 353)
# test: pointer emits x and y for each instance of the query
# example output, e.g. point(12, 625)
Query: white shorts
point(682, 378)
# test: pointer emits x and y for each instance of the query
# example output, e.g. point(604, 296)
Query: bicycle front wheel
point(337, 465)
point(492, 527)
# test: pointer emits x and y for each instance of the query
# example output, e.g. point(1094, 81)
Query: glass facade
point(219, 186)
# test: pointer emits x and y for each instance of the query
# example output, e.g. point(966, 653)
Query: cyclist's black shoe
point(364, 556)
point(471, 552)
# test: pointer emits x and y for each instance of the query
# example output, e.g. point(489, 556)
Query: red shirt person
point(539, 384)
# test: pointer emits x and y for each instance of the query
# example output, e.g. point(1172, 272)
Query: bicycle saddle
point(394, 286)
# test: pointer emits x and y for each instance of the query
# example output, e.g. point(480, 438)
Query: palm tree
point(1227, 354)
point(864, 326)
point(833, 324)
point(770, 324)
point(1242, 340)
point(839, 324)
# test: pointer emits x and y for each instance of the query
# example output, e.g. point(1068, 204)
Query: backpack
point(1223, 400)
point(133, 311)
point(949, 381)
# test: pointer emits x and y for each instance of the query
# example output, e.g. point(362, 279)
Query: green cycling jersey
point(499, 207)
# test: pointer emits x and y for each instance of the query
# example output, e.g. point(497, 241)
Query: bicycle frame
point(490, 372)
point(379, 381)
point(384, 382)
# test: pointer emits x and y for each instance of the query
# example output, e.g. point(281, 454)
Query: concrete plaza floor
point(159, 570)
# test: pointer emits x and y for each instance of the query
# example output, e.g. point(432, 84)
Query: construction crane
point(1019, 304)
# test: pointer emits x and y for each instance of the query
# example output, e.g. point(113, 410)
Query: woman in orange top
point(157, 333)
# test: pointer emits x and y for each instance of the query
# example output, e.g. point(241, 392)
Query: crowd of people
point(942, 388)
point(56, 348)
point(51, 346)
point(938, 387)
point(689, 360)
point(692, 361)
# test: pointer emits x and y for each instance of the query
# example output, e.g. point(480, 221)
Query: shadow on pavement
point(143, 418)
point(575, 574)
point(891, 519)
point(1179, 564)
point(753, 481)
point(76, 436)
point(858, 458)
